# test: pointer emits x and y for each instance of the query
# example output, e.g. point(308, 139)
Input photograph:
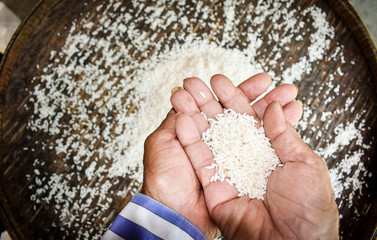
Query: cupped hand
point(170, 178)
point(299, 202)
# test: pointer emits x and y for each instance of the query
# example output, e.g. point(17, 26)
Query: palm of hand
point(170, 178)
point(298, 195)
point(292, 209)
point(299, 203)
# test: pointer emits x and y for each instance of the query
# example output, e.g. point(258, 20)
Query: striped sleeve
point(145, 218)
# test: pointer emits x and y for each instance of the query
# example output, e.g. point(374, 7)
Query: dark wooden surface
point(21, 8)
point(37, 37)
point(348, 15)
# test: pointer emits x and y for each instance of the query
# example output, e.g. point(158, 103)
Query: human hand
point(170, 178)
point(168, 173)
point(299, 202)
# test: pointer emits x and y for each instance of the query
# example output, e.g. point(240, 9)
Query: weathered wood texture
point(37, 36)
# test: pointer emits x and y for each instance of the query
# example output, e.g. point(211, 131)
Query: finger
point(168, 127)
point(201, 157)
point(255, 85)
point(203, 97)
point(182, 101)
point(293, 112)
point(284, 139)
point(169, 122)
point(285, 94)
point(230, 96)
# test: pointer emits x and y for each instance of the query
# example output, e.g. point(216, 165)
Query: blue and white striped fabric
point(146, 218)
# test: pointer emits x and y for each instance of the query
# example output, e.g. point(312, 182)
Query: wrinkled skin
point(299, 203)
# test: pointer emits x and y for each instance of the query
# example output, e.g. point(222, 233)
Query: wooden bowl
point(28, 164)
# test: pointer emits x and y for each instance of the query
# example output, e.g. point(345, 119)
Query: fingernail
point(299, 102)
point(175, 89)
point(178, 113)
point(296, 87)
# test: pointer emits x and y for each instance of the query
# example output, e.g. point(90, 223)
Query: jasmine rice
point(242, 154)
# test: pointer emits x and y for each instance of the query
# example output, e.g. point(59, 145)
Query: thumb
point(163, 134)
point(284, 139)
point(169, 121)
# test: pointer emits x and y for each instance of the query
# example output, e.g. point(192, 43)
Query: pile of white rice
point(242, 154)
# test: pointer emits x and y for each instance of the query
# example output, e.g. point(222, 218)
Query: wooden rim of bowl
point(10, 56)
point(343, 9)
point(349, 16)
